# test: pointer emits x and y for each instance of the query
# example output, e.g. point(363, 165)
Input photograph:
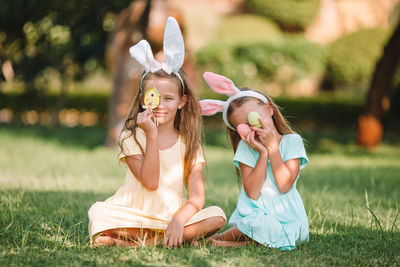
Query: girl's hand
point(255, 144)
point(266, 135)
point(173, 236)
point(144, 121)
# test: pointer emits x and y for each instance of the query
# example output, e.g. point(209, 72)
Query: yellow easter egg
point(253, 119)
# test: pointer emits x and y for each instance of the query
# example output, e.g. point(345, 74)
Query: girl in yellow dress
point(162, 149)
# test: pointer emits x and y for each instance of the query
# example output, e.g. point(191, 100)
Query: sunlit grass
point(50, 177)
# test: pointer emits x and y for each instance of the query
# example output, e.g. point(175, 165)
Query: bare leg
point(146, 237)
point(111, 241)
point(221, 243)
point(203, 228)
point(230, 238)
point(232, 234)
point(128, 237)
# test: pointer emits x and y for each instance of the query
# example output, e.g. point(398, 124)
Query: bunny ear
point(174, 48)
point(220, 84)
point(143, 54)
point(210, 107)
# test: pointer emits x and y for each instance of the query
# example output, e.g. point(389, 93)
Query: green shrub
point(352, 58)
point(247, 28)
point(20, 103)
point(290, 14)
point(320, 111)
point(254, 64)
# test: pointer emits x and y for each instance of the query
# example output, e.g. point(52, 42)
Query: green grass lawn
point(50, 177)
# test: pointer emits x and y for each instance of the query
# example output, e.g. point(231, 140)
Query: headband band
point(223, 85)
point(177, 75)
point(237, 96)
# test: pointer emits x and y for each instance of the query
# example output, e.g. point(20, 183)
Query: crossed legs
point(146, 237)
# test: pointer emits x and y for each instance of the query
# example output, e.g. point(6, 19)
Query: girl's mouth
point(160, 113)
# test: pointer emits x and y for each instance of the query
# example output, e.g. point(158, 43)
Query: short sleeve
point(129, 145)
point(294, 148)
point(246, 155)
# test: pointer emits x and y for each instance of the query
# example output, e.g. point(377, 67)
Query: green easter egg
point(253, 119)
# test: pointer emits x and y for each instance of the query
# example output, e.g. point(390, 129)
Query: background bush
point(284, 60)
point(247, 28)
point(315, 110)
point(352, 58)
point(289, 14)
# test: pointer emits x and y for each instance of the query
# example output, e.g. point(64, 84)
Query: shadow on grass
point(86, 137)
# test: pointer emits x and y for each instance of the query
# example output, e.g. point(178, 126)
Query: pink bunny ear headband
point(223, 85)
point(174, 53)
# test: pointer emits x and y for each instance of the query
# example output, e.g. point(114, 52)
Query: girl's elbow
point(254, 195)
point(150, 186)
point(284, 189)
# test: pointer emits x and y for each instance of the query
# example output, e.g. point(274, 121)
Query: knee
point(108, 232)
point(219, 222)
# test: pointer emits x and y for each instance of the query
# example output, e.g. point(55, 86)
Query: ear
point(210, 107)
point(183, 101)
point(220, 84)
point(270, 109)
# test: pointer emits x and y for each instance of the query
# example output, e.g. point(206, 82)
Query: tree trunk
point(130, 28)
point(370, 127)
point(141, 20)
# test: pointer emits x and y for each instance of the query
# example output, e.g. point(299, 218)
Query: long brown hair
point(187, 119)
point(281, 124)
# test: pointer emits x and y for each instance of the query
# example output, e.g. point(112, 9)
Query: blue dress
point(274, 219)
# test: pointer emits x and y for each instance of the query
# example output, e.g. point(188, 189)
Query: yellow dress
point(133, 206)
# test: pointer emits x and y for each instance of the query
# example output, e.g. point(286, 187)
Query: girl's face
point(170, 100)
point(239, 114)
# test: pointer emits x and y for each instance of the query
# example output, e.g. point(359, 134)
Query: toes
point(195, 243)
point(103, 241)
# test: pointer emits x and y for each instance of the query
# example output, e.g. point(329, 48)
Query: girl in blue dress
point(269, 157)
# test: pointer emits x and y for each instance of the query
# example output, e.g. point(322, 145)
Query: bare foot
point(195, 243)
point(221, 243)
point(215, 237)
point(103, 241)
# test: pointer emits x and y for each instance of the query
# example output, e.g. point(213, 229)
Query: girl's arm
point(285, 173)
point(174, 233)
point(147, 168)
point(253, 178)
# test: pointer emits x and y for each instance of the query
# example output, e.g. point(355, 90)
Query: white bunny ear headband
point(174, 53)
point(223, 85)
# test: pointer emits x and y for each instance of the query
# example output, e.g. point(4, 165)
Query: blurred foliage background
point(53, 59)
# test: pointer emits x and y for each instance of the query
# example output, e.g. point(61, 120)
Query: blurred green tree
point(370, 127)
point(291, 15)
point(47, 38)
point(69, 37)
